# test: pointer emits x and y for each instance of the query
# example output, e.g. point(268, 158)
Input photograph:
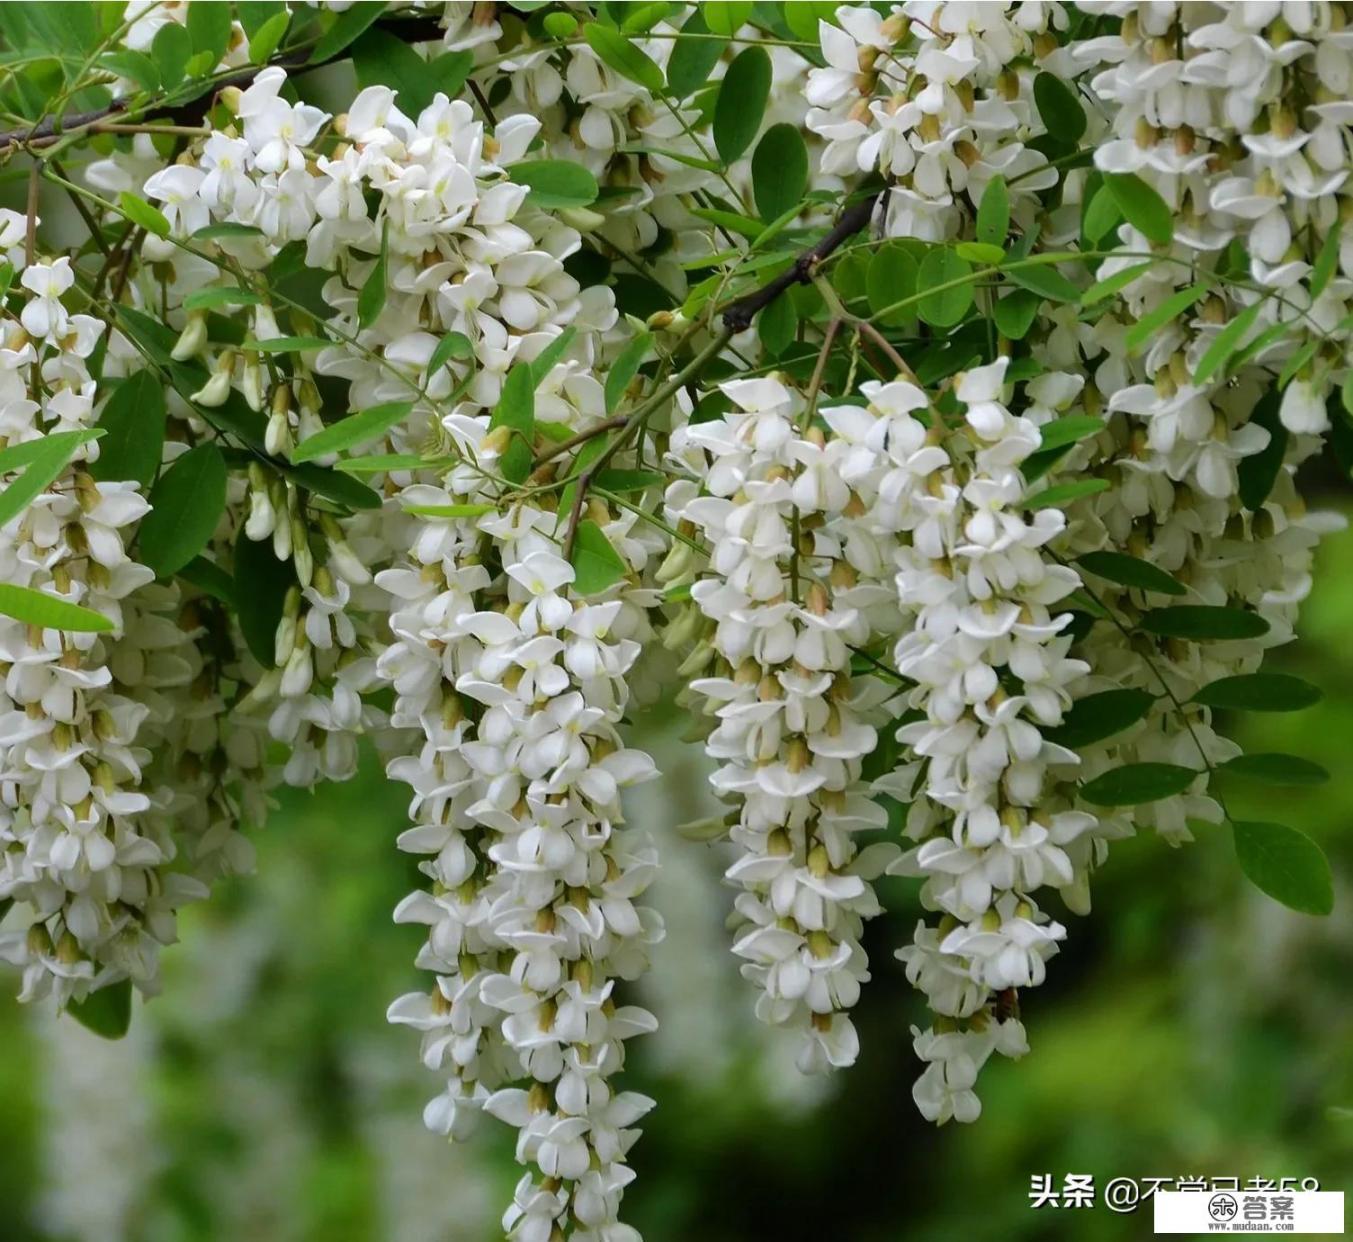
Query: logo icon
point(1222, 1207)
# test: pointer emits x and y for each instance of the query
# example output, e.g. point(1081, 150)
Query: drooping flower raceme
point(938, 401)
point(794, 725)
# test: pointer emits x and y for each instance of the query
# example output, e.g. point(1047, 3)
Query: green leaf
point(107, 1012)
point(624, 57)
point(891, 278)
point(1224, 344)
point(1141, 206)
point(625, 368)
point(48, 458)
point(641, 18)
point(1135, 783)
point(779, 171)
point(516, 409)
point(209, 29)
point(1065, 493)
point(266, 39)
point(217, 296)
point(378, 463)
point(332, 485)
point(597, 565)
point(1098, 716)
point(16, 456)
point(371, 300)
point(254, 14)
point(1257, 473)
point(1298, 360)
point(448, 74)
point(170, 49)
point(141, 213)
point(776, 325)
point(49, 611)
point(629, 480)
point(214, 232)
point(731, 222)
point(347, 26)
point(544, 362)
point(199, 64)
point(1061, 111)
point(554, 184)
point(1168, 311)
point(135, 66)
point(288, 344)
point(980, 252)
point(1285, 864)
point(1129, 571)
point(993, 214)
point(452, 345)
point(1110, 285)
point(1068, 430)
point(186, 504)
point(1014, 313)
point(383, 59)
point(1101, 215)
point(353, 430)
point(741, 103)
point(1269, 337)
point(1203, 623)
point(261, 585)
point(727, 19)
point(560, 25)
point(1259, 692)
point(1276, 769)
point(1326, 262)
point(208, 576)
point(1046, 281)
point(693, 58)
point(133, 419)
point(451, 511)
point(944, 307)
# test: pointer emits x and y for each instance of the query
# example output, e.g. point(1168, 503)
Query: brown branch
point(738, 315)
point(30, 245)
point(582, 437)
point(631, 422)
point(50, 129)
point(866, 328)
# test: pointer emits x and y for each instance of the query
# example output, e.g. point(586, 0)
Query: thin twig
point(820, 368)
point(738, 315)
point(95, 231)
point(30, 244)
point(482, 100)
point(582, 437)
point(634, 420)
point(50, 129)
point(864, 326)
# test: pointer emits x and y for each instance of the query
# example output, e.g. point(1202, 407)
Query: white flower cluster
point(794, 726)
point(518, 687)
point(938, 97)
point(984, 643)
point(515, 684)
point(105, 830)
point(1202, 106)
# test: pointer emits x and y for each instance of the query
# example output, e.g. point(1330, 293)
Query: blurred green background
point(1191, 1027)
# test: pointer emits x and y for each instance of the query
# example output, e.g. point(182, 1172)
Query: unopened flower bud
point(192, 340)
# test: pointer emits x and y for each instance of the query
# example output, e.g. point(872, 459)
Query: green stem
point(638, 416)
